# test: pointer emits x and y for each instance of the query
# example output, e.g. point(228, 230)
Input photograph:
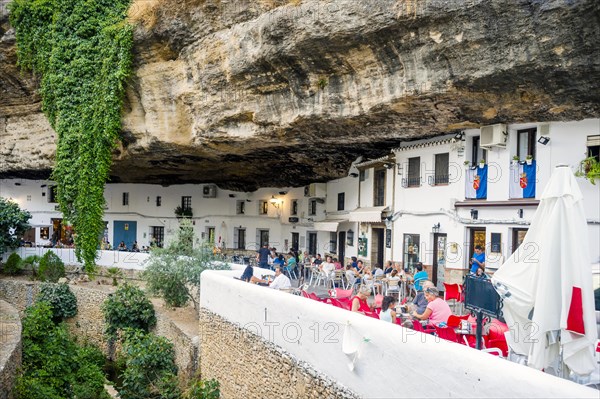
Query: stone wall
point(10, 348)
point(247, 366)
point(88, 324)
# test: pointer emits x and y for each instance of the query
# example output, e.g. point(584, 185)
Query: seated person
point(122, 246)
point(480, 273)
point(354, 263)
point(360, 266)
point(367, 277)
point(135, 247)
point(327, 268)
point(359, 302)
point(388, 267)
point(248, 274)
point(317, 261)
point(420, 303)
point(281, 281)
point(420, 276)
point(352, 275)
point(291, 262)
point(394, 277)
point(337, 264)
point(437, 310)
point(279, 261)
point(388, 309)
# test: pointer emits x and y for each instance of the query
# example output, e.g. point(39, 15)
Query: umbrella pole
point(479, 330)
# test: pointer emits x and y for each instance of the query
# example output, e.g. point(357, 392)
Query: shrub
point(51, 267)
point(13, 265)
point(114, 273)
point(61, 300)
point(128, 307)
point(32, 261)
point(173, 272)
point(54, 366)
point(204, 389)
point(150, 370)
point(13, 223)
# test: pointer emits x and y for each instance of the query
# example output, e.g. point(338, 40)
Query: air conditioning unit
point(493, 136)
point(315, 190)
point(209, 191)
point(293, 219)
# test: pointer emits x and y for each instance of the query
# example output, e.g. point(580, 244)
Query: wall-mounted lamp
point(474, 214)
point(459, 136)
point(543, 140)
point(520, 213)
point(389, 165)
point(17, 184)
point(248, 200)
point(274, 201)
point(436, 228)
point(353, 174)
point(350, 238)
point(231, 195)
point(283, 192)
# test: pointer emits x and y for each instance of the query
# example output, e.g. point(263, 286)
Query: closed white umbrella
point(546, 284)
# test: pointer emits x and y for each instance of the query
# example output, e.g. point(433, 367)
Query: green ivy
point(82, 49)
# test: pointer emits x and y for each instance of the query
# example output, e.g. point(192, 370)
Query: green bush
point(128, 307)
point(150, 370)
point(61, 300)
point(13, 265)
point(51, 267)
point(203, 389)
point(33, 262)
point(173, 272)
point(54, 366)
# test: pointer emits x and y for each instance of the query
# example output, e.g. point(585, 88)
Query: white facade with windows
point(416, 204)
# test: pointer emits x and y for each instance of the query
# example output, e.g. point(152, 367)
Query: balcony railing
point(438, 180)
point(411, 182)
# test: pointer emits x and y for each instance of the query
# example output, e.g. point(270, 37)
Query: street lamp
point(436, 228)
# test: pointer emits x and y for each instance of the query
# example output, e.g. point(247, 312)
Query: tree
point(13, 224)
point(173, 272)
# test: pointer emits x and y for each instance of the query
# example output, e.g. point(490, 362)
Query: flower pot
point(481, 165)
point(529, 161)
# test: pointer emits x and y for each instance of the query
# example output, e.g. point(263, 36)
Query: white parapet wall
point(392, 361)
point(121, 259)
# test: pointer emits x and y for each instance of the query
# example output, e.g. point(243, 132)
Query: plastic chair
point(339, 293)
point(291, 273)
point(454, 320)
point(314, 296)
point(452, 292)
point(378, 300)
point(417, 326)
point(339, 278)
point(372, 314)
point(393, 288)
point(448, 334)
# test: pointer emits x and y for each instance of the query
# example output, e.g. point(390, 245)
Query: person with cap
point(437, 310)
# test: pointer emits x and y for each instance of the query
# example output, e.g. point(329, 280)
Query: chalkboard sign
point(496, 245)
point(388, 238)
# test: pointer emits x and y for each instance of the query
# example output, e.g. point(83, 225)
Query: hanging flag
point(476, 185)
point(522, 180)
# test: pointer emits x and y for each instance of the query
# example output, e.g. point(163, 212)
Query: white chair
point(393, 288)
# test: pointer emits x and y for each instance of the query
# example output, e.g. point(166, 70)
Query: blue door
point(126, 231)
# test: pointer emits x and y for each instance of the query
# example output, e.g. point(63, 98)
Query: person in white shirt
point(328, 268)
point(281, 281)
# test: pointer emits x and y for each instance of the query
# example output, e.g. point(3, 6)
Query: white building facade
point(420, 203)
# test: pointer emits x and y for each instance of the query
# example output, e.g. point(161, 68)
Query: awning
point(367, 214)
point(328, 224)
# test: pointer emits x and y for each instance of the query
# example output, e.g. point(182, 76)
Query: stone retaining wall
point(247, 366)
point(88, 324)
point(10, 348)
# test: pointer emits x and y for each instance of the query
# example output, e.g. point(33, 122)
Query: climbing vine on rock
point(82, 50)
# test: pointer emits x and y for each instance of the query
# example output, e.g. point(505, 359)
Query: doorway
point(263, 238)
point(439, 260)
point(240, 238)
point(342, 247)
point(476, 237)
point(296, 241)
point(126, 231)
point(377, 248)
point(312, 243)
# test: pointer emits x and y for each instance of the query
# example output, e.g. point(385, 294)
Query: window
point(477, 153)
point(379, 188)
point(240, 207)
point(341, 201)
point(240, 238)
point(333, 242)
point(414, 172)
point(362, 175)
point(186, 202)
point(518, 235)
point(44, 233)
point(526, 143)
point(294, 207)
point(157, 236)
point(125, 198)
point(263, 207)
point(312, 207)
point(442, 165)
point(52, 194)
point(29, 198)
point(158, 200)
point(593, 146)
point(410, 251)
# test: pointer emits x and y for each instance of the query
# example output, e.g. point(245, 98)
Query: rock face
point(251, 93)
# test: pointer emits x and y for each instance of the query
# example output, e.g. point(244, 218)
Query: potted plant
point(590, 169)
point(181, 212)
point(529, 159)
point(467, 164)
point(481, 163)
point(515, 159)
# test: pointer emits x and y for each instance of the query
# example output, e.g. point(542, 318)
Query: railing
point(438, 180)
point(411, 182)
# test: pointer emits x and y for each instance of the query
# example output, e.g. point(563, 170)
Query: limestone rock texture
point(251, 93)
